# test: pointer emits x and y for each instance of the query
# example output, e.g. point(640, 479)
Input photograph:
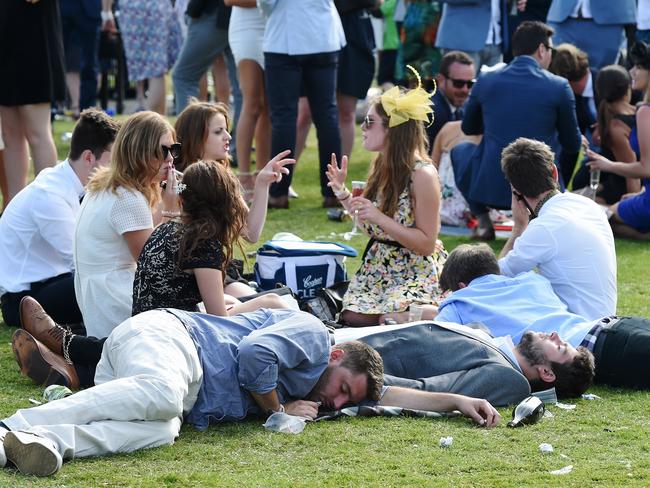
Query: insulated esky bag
point(304, 266)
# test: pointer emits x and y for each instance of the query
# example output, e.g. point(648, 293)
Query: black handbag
point(327, 302)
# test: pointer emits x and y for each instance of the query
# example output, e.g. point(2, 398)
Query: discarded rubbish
point(529, 411)
point(56, 392)
point(590, 396)
point(565, 406)
point(544, 447)
point(564, 470)
point(446, 441)
point(285, 423)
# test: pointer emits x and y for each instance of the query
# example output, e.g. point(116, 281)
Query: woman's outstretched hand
point(337, 175)
point(596, 161)
point(275, 169)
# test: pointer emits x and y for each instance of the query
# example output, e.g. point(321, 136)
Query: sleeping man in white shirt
point(37, 227)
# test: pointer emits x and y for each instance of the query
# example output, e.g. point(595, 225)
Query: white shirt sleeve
point(56, 222)
point(130, 212)
point(535, 246)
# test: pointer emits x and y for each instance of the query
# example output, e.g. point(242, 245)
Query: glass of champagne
point(357, 191)
point(594, 181)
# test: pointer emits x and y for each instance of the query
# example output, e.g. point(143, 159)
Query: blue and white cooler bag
point(304, 266)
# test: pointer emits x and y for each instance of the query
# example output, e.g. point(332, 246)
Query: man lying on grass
point(162, 365)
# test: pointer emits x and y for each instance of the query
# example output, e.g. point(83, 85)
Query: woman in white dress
point(122, 204)
point(245, 36)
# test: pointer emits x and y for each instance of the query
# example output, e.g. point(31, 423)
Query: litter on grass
point(590, 396)
point(565, 406)
point(446, 441)
point(545, 448)
point(564, 470)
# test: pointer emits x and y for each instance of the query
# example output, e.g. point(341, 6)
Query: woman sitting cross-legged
point(399, 210)
point(181, 265)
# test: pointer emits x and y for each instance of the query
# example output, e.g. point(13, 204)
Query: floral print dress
point(391, 277)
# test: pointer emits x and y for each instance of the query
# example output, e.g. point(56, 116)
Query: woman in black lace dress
point(183, 261)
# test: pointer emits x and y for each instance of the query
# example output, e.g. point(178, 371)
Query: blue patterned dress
point(151, 34)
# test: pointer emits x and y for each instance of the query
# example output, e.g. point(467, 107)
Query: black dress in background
point(31, 53)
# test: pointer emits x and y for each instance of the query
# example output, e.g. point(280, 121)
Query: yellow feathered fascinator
point(413, 104)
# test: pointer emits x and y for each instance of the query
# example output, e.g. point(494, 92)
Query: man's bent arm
point(479, 410)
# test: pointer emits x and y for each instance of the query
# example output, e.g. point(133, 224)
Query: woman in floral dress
point(399, 210)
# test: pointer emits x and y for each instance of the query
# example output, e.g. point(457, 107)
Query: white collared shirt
point(506, 346)
point(37, 229)
point(643, 15)
point(572, 245)
point(582, 9)
point(494, 32)
point(298, 27)
point(588, 93)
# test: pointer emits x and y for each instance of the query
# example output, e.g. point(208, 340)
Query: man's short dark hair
point(466, 263)
point(528, 166)
point(454, 57)
point(572, 379)
point(94, 131)
point(569, 62)
point(360, 358)
point(529, 35)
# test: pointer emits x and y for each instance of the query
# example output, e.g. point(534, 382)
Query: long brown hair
point(612, 85)
point(136, 152)
point(192, 127)
point(213, 208)
point(390, 172)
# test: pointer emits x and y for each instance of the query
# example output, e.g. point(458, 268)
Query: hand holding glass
point(357, 191)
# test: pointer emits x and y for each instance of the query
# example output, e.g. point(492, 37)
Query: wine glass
point(594, 181)
point(357, 191)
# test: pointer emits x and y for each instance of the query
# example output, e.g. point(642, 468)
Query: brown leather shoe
point(40, 364)
point(331, 202)
point(39, 324)
point(278, 202)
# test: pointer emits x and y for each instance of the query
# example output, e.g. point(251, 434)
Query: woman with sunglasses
point(399, 210)
point(123, 203)
point(202, 129)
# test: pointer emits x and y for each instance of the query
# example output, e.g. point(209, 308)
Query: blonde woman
point(122, 205)
point(399, 210)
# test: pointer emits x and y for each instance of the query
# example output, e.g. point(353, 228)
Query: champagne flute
point(594, 181)
point(357, 191)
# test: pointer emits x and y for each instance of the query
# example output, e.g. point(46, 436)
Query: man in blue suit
point(475, 27)
point(454, 82)
point(521, 100)
point(595, 26)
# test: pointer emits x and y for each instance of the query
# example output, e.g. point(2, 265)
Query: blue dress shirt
point(254, 352)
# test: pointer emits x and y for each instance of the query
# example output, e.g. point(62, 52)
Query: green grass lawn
point(606, 441)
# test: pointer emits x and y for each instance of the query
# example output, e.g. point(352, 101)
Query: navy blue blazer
point(441, 115)
point(464, 24)
point(608, 12)
point(519, 100)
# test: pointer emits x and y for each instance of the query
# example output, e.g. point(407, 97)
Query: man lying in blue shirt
point(163, 364)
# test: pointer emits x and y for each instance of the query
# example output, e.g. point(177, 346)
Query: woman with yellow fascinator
point(399, 210)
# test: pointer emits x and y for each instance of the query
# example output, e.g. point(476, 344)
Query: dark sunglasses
point(462, 83)
point(174, 149)
point(521, 198)
point(367, 121)
point(552, 49)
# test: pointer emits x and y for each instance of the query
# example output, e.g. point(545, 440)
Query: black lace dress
point(161, 281)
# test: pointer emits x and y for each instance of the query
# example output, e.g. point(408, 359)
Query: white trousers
point(148, 375)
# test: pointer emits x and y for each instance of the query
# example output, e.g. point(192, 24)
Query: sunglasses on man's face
point(461, 83)
point(174, 149)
